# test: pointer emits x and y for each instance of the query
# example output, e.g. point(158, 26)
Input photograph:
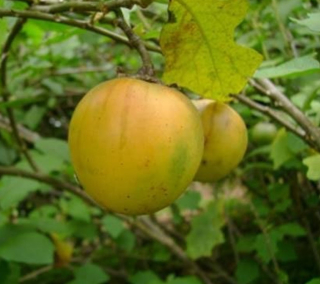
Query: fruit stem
point(135, 41)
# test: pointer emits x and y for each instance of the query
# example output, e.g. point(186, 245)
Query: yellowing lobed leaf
point(200, 51)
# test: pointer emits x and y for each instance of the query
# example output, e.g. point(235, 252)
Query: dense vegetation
point(260, 224)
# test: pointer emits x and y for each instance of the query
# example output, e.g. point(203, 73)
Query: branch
point(312, 136)
point(70, 22)
point(56, 183)
point(136, 42)
point(36, 273)
point(24, 132)
point(155, 233)
point(151, 230)
point(274, 115)
point(5, 93)
point(86, 6)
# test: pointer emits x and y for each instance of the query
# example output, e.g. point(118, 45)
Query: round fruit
point(225, 140)
point(135, 146)
point(263, 133)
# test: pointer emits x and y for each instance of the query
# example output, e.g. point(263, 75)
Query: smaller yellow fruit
point(64, 250)
point(225, 140)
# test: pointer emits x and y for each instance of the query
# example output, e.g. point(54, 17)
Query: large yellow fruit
point(225, 140)
point(135, 146)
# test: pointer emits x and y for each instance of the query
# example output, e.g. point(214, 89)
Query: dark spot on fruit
point(204, 162)
point(128, 196)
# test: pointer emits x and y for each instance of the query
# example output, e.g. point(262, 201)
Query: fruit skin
point(263, 133)
point(135, 146)
point(225, 140)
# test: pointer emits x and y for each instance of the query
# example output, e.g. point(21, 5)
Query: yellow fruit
point(135, 146)
point(225, 140)
point(64, 250)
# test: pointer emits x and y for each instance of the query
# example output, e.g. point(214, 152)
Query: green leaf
point(314, 281)
point(244, 243)
point(78, 209)
point(113, 225)
point(267, 245)
point(55, 147)
point(313, 164)
point(49, 225)
point(280, 152)
point(278, 192)
point(199, 49)
point(126, 240)
point(286, 251)
point(247, 271)
point(90, 274)
point(14, 189)
point(53, 86)
point(4, 271)
point(3, 27)
point(190, 200)
point(295, 144)
point(29, 247)
point(313, 22)
point(205, 231)
point(83, 230)
point(34, 116)
point(290, 229)
point(160, 252)
point(35, 32)
point(9, 272)
point(296, 67)
point(49, 163)
point(7, 154)
point(145, 277)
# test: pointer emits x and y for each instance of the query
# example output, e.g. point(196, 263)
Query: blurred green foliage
point(260, 225)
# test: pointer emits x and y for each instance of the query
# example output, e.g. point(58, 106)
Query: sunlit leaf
point(205, 231)
point(296, 67)
point(280, 152)
point(200, 51)
point(312, 22)
point(313, 164)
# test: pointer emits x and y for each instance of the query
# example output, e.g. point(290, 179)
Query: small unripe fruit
point(263, 133)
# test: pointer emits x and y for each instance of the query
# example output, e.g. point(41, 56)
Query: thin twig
point(312, 136)
point(5, 93)
point(267, 242)
point(71, 22)
point(272, 114)
point(154, 232)
point(36, 273)
point(24, 132)
point(56, 183)
point(75, 6)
